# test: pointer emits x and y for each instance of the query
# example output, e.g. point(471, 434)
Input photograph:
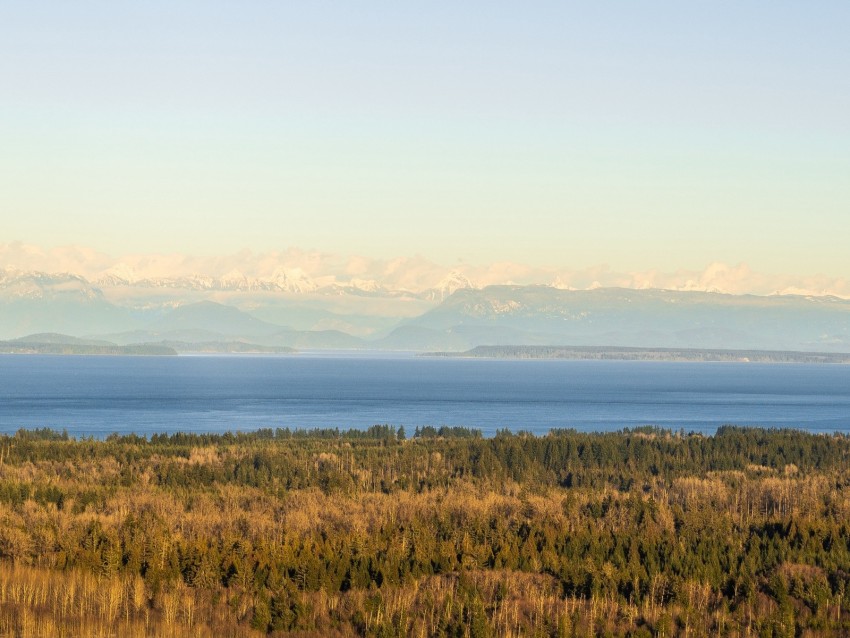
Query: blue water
point(100, 395)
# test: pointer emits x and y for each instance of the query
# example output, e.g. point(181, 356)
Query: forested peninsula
point(618, 353)
point(437, 532)
point(23, 347)
point(53, 343)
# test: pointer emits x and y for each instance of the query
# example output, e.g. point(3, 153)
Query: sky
point(638, 136)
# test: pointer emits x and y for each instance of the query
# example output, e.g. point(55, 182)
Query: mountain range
point(456, 317)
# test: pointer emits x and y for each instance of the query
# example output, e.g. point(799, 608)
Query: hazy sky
point(636, 134)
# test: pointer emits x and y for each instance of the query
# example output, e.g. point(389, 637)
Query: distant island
point(645, 354)
point(223, 347)
point(54, 343)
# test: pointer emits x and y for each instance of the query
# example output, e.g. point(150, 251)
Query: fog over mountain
point(295, 307)
point(300, 271)
point(539, 315)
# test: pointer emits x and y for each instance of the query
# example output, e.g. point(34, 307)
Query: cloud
point(414, 274)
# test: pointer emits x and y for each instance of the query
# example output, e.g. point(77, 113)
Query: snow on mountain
point(234, 280)
point(16, 284)
point(120, 274)
point(447, 286)
point(365, 285)
point(294, 280)
point(652, 318)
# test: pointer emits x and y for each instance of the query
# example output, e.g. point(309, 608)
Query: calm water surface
point(100, 395)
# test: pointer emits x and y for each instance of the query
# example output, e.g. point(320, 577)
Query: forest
point(437, 532)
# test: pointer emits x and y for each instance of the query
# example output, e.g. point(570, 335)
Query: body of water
point(100, 395)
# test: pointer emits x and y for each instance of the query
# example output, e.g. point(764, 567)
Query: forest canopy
point(439, 531)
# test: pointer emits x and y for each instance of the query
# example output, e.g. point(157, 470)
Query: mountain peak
point(448, 285)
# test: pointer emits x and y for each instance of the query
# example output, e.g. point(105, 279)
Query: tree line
point(443, 532)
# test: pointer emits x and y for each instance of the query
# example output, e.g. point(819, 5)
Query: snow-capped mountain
point(280, 281)
point(530, 315)
point(447, 286)
point(17, 284)
point(291, 309)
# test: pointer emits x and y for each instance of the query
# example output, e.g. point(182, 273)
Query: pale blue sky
point(638, 134)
